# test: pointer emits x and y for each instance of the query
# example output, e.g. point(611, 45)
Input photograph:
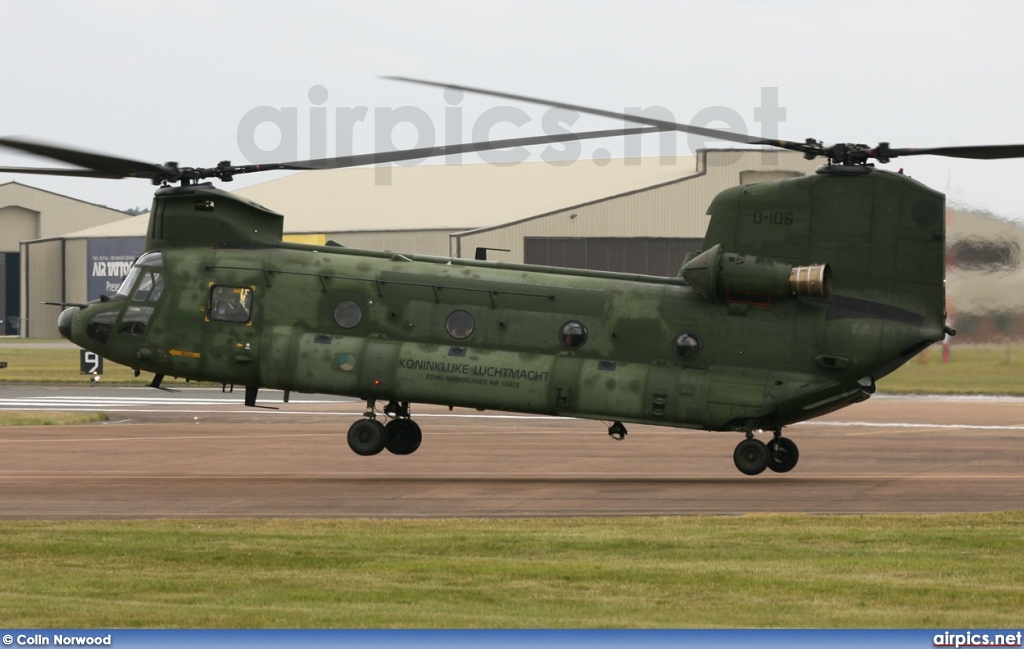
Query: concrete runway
point(202, 454)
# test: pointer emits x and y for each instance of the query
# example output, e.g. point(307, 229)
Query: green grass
point(49, 418)
point(924, 571)
point(61, 367)
point(995, 369)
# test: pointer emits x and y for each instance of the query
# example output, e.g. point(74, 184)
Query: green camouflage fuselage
point(735, 354)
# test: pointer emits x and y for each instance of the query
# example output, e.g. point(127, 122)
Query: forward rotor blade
point(662, 124)
point(429, 152)
point(110, 166)
point(982, 152)
point(84, 173)
point(103, 166)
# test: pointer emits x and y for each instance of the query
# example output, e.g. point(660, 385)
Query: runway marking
point(162, 438)
point(340, 432)
point(897, 424)
point(81, 402)
point(1011, 398)
point(249, 412)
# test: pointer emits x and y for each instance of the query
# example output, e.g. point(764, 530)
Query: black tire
point(782, 454)
point(367, 437)
point(404, 436)
point(751, 456)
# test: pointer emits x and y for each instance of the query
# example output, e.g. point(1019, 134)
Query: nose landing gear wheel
point(404, 436)
point(751, 456)
point(782, 454)
point(367, 437)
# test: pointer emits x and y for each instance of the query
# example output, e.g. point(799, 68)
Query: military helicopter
point(806, 292)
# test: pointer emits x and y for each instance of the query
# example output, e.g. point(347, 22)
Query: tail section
point(881, 233)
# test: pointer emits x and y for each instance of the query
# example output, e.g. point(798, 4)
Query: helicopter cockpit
point(141, 289)
point(145, 288)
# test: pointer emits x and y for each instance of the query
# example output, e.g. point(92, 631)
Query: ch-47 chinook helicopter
point(806, 292)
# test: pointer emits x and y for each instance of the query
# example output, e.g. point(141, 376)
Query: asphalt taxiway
point(201, 453)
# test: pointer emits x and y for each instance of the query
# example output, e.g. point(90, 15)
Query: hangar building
point(27, 214)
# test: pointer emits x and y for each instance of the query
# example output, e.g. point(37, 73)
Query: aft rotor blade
point(450, 149)
point(107, 166)
point(662, 124)
point(982, 152)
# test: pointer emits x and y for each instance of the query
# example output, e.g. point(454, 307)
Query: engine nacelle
point(746, 279)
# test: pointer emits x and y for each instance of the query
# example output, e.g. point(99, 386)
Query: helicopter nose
point(64, 322)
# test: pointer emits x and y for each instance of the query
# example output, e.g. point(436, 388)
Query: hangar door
point(643, 255)
point(10, 293)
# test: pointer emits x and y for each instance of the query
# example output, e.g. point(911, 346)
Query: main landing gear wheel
point(367, 437)
point(782, 454)
point(404, 436)
point(751, 456)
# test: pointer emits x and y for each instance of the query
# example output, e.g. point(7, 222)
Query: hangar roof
point(49, 214)
point(130, 227)
point(444, 196)
point(439, 196)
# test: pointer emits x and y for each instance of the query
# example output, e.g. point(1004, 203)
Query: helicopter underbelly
point(718, 398)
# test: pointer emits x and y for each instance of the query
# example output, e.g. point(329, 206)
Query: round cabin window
point(459, 324)
point(573, 334)
point(348, 314)
point(687, 346)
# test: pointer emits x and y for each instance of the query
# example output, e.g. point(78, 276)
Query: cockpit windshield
point(150, 259)
point(150, 288)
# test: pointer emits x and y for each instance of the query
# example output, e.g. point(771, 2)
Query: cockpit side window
point(150, 288)
point(158, 287)
point(145, 286)
point(135, 320)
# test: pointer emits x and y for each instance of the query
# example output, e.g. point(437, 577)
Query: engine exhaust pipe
point(811, 281)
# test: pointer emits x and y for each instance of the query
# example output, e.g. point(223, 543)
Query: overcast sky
point(159, 81)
